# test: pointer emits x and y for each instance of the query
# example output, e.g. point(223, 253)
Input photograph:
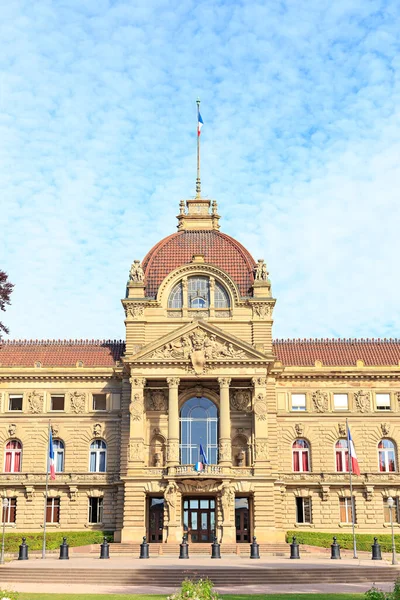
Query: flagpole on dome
point(349, 454)
point(199, 126)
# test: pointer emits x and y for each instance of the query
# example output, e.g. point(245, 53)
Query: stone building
point(199, 367)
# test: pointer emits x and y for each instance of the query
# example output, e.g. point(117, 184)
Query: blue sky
point(300, 148)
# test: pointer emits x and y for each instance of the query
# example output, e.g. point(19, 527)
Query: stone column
point(225, 449)
point(137, 425)
point(173, 422)
point(260, 423)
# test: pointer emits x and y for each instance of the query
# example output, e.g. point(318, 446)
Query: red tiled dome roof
point(218, 249)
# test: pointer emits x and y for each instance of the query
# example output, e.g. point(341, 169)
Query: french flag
point(199, 124)
point(352, 454)
point(51, 457)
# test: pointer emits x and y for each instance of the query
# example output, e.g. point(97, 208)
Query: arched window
point(13, 457)
point(301, 456)
point(58, 447)
point(199, 425)
point(199, 294)
point(342, 456)
point(98, 456)
point(386, 456)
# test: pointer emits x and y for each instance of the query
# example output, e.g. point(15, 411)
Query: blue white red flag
point(199, 124)
point(198, 467)
point(352, 454)
point(51, 457)
point(203, 455)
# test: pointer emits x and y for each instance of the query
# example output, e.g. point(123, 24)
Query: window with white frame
point(199, 294)
point(346, 509)
point(13, 457)
point(53, 510)
point(15, 402)
point(387, 456)
point(199, 425)
point(342, 456)
point(395, 509)
point(58, 448)
point(301, 456)
point(98, 456)
point(10, 512)
point(95, 510)
point(298, 402)
point(303, 510)
point(340, 402)
point(382, 401)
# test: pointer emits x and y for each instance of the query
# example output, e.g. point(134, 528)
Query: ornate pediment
point(199, 345)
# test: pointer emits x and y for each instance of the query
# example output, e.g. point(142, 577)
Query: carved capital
point(224, 382)
point(259, 381)
point(137, 382)
point(173, 382)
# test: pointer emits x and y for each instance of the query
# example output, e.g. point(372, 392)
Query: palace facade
point(199, 367)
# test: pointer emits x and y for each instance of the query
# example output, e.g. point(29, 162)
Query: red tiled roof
point(218, 249)
point(338, 353)
point(60, 353)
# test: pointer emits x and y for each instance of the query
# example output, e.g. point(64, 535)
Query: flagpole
point(46, 492)
point(198, 182)
point(351, 491)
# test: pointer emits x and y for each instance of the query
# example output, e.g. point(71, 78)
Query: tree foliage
point(5, 292)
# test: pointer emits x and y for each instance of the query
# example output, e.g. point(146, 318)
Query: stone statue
point(157, 459)
point(136, 274)
point(227, 500)
point(170, 499)
point(261, 273)
point(241, 458)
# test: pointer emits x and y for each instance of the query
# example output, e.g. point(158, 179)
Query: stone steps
point(220, 576)
point(197, 549)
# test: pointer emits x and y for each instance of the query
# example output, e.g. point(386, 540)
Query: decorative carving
point(134, 311)
point(73, 493)
point(260, 271)
point(199, 347)
point(325, 493)
point(29, 493)
point(78, 401)
point(261, 450)
point(157, 401)
point(369, 493)
point(97, 429)
point(397, 394)
point(136, 450)
point(136, 273)
point(173, 381)
point(299, 429)
point(224, 450)
point(170, 496)
point(12, 428)
point(173, 451)
point(320, 400)
point(35, 402)
point(136, 407)
point(137, 382)
point(342, 429)
point(240, 400)
point(260, 407)
point(262, 311)
point(227, 501)
point(363, 401)
point(385, 427)
point(259, 381)
point(224, 382)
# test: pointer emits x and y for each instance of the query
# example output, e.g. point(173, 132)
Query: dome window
point(199, 293)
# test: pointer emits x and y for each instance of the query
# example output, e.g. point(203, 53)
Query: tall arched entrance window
point(199, 425)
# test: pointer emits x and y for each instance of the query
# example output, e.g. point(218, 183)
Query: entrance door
point(242, 520)
point(199, 519)
point(156, 519)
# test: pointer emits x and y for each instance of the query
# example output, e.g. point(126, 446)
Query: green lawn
point(28, 596)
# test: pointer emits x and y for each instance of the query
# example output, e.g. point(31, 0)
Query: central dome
point(218, 249)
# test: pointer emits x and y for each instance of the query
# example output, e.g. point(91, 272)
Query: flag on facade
point(51, 457)
point(203, 455)
point(199, 124)
point(199, 467)
point(352, 454)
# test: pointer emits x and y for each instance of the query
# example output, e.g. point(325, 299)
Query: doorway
point(156, 519)
point(242, 520)
point(199, 519)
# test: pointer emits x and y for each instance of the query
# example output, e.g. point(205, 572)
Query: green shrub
point(364, 540)
point(6, 595)
point(376, 594)
point(202, 589)
point(54, 539)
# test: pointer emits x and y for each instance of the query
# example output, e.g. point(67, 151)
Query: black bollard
point(376, 550)
point(105, 549)
point(144, 549)
point(64, 550)
point(294, 549)
point(184, 548)
point(215, 549)
point(335, 550)
point(23, 550)
point(254, 549)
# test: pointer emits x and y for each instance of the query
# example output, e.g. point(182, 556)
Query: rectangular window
point(298, 402)
point(99, 402)
point(340, 402)
point(95, 510)
point(53, 510)
point(15, 402)
point(303, 510)
point(395, 511)
point(9, 513)
point(346, 510)
point(57, 402)
point(382, 401)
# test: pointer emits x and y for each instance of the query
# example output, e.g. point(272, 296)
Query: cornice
point(338, 375)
